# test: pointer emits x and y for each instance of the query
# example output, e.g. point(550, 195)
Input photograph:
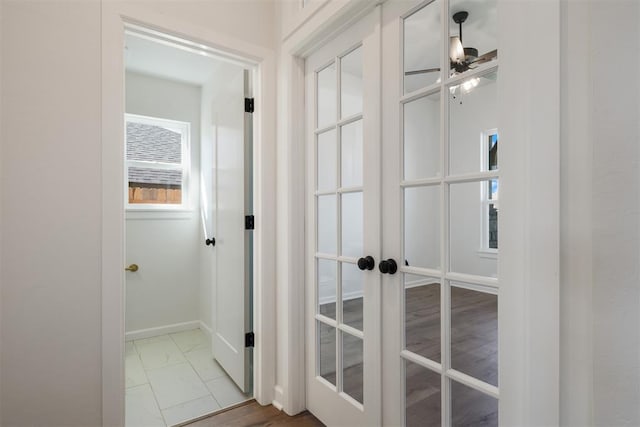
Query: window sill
point(488, 253)
point(137, 213)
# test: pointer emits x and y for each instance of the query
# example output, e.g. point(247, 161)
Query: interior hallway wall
point(165, 291)
point(51, 173)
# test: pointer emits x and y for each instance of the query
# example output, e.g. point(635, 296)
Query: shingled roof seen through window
point(154, 144)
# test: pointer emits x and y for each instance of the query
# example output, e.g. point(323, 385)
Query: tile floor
point(173, 378)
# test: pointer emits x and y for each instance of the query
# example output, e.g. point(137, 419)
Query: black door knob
point(366, 263)
point(211, 241)
point(388, 266)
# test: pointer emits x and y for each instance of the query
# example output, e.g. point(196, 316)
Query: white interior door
point(232, 189)
point(440, 187)
point(343, 223)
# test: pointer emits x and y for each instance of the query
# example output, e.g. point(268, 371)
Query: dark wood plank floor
point(254, 415)
point(474, 351)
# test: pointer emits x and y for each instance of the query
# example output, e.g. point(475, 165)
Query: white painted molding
point(161, 330)
point(279, 395)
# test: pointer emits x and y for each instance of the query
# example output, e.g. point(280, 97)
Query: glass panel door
point(440, 199)
point(342, 303)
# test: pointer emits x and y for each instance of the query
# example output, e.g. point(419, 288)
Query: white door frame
point(115, 16)
point(529, 105)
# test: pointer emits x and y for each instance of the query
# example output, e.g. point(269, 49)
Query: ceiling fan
point(461, 58)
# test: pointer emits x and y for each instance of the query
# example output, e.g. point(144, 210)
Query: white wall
point(165, 289)
point(615, 135)
point(51, 173)
point(51, 138)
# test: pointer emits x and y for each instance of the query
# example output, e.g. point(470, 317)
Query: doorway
point(402, 259)
point(187, 197)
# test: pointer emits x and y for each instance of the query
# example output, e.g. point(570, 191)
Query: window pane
point(422, 396)
point(479, 40)
point(351, 83)
point(473, 116)
point(327, 352)
point(352, 220)
point(422, 40)
point(352, 295)
point(422, 227)
point(470, 226)
point(422, 138)
point(155, 186)
point(327, 160)
point(351, 154)
point(327, 103)
point(153, 143)
point(352, 366)
point(327, 286)
point(474, 333)
point(472, 407)
point(422, 316)
point(327, 225)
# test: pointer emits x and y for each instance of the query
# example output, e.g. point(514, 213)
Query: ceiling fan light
point(456, 51)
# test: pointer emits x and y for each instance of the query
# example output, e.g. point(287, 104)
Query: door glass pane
point(327, 224)
point(422, 138)
point(352, 366)
point(479, 40)
point(422, 47)
point(327, 285)
point(471, 407)
point(351, 154)
point(422, 316)
point(351, 83)
point(352, 224)
point(474, 334)
point(327, 102)
point(473, 116)
point(327, 161)
point(422, 396)
point(471, 223)
point(422, 227)
point(327, 352)
point(352, 295)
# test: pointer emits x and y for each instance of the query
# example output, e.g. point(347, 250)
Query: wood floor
point(254, 415)
point(474, 351)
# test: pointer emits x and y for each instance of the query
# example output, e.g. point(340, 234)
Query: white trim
point(161, 330)
point(115, 16)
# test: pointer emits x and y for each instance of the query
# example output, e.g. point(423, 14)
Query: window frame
point(184, 129)
point(485, 201)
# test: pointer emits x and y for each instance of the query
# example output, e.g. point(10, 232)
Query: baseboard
point(278, 398)
point(161, 330)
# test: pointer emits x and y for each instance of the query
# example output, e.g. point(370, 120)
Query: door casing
point(115, 18)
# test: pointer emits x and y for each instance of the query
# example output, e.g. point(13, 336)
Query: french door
point(426, 211)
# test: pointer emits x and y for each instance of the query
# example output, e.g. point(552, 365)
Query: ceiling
point(162, 60)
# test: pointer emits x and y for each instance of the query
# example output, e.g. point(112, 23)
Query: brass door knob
point(132, 268)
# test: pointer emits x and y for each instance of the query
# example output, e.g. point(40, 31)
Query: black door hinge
point(249, 339)
point(248, 105)
point(249, 223)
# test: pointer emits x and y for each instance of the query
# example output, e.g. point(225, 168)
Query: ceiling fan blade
point(486, 57)
point(427, 70)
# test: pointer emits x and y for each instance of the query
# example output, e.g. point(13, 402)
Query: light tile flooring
point(173, 378)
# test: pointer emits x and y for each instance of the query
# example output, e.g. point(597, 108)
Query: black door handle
point(366, 263)
point(388, 266)
point(211, 241)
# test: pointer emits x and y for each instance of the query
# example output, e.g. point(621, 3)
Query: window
point(489, 192)
point(157, 161)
